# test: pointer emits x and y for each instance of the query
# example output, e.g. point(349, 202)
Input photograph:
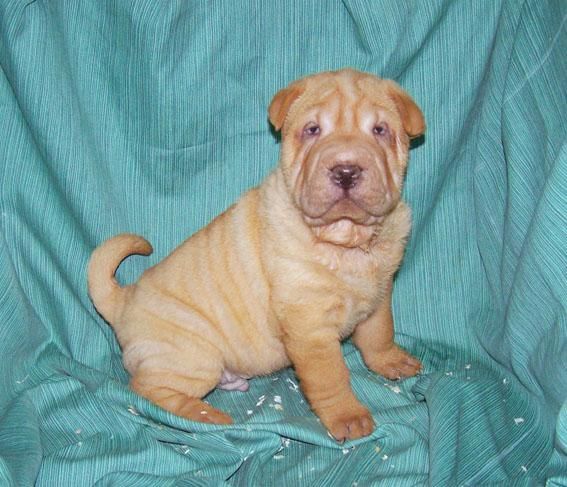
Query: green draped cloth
point(150, 116)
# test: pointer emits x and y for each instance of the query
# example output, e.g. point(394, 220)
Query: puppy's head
point(345, 140)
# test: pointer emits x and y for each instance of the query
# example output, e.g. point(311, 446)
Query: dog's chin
point(345, 233)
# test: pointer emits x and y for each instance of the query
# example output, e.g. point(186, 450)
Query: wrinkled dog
point(295, 266)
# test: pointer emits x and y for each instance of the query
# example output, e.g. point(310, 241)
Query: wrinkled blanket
point(150, 117)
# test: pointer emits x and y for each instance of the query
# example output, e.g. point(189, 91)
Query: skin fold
point(297, 265)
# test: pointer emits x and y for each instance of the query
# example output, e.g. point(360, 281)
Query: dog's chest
point(359, 288)
point(358, 271)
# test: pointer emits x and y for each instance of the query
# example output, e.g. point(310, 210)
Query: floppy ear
point(412, 118)
point(282, 101)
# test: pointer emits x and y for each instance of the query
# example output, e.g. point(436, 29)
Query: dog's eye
point(311, 130)
point(381, 130)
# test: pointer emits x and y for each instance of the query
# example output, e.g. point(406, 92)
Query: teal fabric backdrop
point(150, 117)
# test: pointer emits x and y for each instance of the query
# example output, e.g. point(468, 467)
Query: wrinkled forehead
point(345, 101)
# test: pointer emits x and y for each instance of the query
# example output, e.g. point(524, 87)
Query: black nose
point(345, 175)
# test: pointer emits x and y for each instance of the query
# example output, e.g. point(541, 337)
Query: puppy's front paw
point(393, 363)
point(348, 423)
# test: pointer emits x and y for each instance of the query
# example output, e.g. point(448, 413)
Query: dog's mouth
point(344, 207)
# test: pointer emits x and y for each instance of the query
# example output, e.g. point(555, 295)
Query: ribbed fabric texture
point(150, 117)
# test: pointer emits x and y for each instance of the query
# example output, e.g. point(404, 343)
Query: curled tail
point(106, 294)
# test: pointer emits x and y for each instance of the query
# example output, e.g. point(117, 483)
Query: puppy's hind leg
point(180, 394)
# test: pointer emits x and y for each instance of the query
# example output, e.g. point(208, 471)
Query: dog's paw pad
point(350, 425)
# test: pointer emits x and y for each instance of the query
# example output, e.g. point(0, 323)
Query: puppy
point(295, 266)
